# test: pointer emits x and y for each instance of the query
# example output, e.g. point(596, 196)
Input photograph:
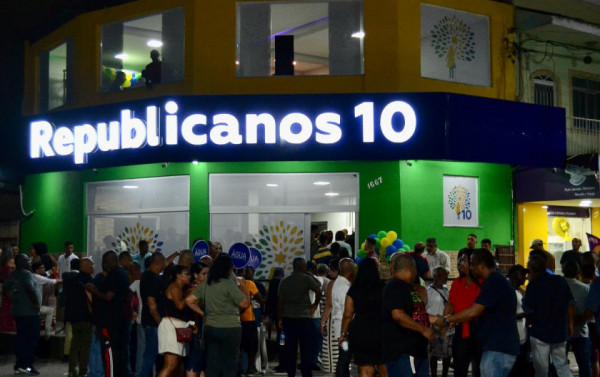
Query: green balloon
point(361, 253)
point(406, 248)
point(382, 234)
point(377, 243)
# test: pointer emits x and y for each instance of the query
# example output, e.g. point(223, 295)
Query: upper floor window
point(55, 76)
point(586, 98)
point(143, 52)
point(544, 88)
point(296, 38)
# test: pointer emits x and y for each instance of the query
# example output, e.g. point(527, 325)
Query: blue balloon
point(391, 249)
point(359, 259)
point(373, 235)
point(398, 243)
point(377, 251)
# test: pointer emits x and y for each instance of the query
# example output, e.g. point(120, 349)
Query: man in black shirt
point(401, 334)
point(152, 292)
point(78, 313)
point(109, 303)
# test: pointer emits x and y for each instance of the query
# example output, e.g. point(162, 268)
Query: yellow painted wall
point(392, 54)
point(595, 222)
point(533, 221)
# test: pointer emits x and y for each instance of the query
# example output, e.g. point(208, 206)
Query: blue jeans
point(402, 368)
point(496, 364)
point(582, 351)
point(26, 340)
point(95, 368)
point(150, 351)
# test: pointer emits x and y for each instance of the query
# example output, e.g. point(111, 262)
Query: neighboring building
point(557, 52)
point(364, 115)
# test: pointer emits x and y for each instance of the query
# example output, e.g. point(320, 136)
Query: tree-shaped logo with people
point(453, 38)
point(459, 200)
point(279, 244)
point(131, 236)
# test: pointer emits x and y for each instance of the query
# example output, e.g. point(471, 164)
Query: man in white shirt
point(64, 261)
point(436, 257)
point(46, 288)
point(437, 298)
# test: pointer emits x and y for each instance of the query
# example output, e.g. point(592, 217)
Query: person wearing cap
point(538, 245)
point(517, 275)
point(437, 298)
point(574, 253)
point(551, 310)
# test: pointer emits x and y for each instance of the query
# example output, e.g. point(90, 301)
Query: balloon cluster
point(386, 244)
point(131, 77)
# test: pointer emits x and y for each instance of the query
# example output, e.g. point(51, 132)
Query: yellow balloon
point(392, 236)
point(362, 247)
point(385, 243)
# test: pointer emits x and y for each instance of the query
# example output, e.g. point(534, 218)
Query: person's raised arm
point(193, 303)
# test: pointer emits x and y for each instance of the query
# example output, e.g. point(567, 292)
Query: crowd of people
point(149, 314)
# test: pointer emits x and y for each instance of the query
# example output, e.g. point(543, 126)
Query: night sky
point(26, 20)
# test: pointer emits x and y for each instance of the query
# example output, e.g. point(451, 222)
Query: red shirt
point(463, 297)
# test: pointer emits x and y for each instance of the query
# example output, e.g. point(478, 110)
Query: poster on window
point(455, 45)
point(461, 202)
point(279, 238)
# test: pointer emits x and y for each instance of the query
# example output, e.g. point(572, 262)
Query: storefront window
point(296, 39)
point(143, 52)
point(55, 76)
point(274, 212)
point(122, 213)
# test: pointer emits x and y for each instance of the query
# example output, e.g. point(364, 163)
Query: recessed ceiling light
point(332, 193)
point(358, 34)
point(195, 162)
point(272, 185)
point(154, 43)
point(585, 203)
point(320, 183)
point(130, 187)
point(122, 56)
point(545, 207)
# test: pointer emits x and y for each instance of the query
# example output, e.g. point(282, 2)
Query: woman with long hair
point(465, 345)
point(221, 297)
point(361, 324)
point(195, 363)
point(175, 317)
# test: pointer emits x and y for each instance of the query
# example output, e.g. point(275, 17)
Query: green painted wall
point(408, 199)
point(422, 199)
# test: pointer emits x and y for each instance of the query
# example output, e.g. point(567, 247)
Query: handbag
point(184, 334)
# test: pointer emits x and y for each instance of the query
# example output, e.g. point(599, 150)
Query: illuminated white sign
point(131, 132)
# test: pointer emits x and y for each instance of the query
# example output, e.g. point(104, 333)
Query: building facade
point(269, 117)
